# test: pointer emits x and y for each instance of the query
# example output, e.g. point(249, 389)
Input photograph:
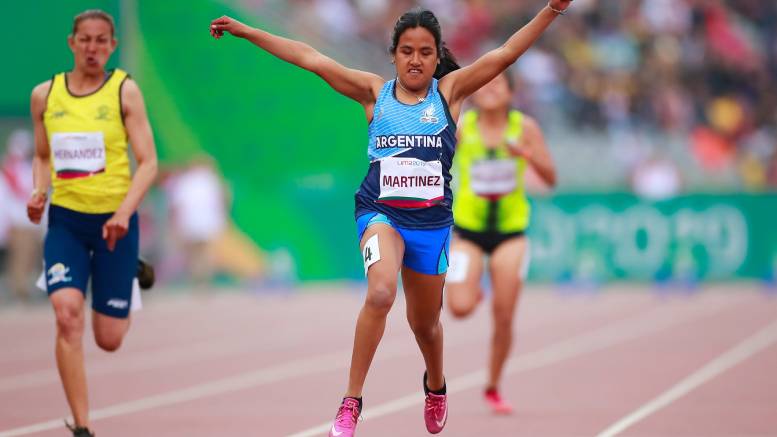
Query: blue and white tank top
point(410, 149)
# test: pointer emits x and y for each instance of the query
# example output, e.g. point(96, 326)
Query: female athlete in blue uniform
point(403, 206)
point(83, 121)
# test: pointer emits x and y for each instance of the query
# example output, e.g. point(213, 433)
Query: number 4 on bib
point(371, 252)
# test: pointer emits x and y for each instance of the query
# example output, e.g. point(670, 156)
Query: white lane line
point(143, 360)
point(591, 341)
point(297, 368)
point(739, 353)
point(301, 367)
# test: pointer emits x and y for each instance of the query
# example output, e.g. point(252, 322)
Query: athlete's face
point(92, 45)
point(494, 95)
point(416, 58)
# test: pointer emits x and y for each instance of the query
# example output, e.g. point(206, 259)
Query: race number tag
point(78, 154)
point(410, 182)
point(493, 177)
point(457, 272)
point(371, 253)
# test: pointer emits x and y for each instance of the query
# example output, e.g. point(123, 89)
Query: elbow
point(41, 157)
point(551, 180)
point(153, 169)
point(150, 167)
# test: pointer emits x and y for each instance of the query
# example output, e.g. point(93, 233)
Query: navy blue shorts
point(426, 250)
point(75, 251)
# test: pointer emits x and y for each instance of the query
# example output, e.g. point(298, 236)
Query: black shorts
point(486, 241)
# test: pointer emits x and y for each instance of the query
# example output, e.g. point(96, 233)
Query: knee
point(425, 329)
point(70, 323)
point(108, 342)
point(503, 321)
point(460, 311)
point(381, 296)
point(462, 303)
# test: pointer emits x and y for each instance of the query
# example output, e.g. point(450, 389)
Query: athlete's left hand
point(521, 149)
point(114, 229)
point(560, 5)
point(227, 24)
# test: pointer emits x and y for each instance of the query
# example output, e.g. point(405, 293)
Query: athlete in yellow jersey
point(83, 121)
point(491, 213)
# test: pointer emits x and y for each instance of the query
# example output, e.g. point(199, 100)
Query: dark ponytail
point(419, 17)
point(447, 63)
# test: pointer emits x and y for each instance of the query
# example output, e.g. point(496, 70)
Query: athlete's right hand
point(227, 24)
point(35, 207)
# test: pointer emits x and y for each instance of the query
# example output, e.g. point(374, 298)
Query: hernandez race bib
point(493, 178)
point(410, 182)
point(78, 154)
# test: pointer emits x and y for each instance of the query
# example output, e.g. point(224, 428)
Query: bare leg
point(423, 294)
point(68, 306)
point(109, 331)
point(381, 292)
point(505, 266)
point(465, 294)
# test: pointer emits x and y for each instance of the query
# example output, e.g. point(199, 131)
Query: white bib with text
point(493, 177)
point(78, 154)
point(411, 182)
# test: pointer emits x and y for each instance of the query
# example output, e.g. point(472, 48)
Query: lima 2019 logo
point(428, 115)
point(58, 273)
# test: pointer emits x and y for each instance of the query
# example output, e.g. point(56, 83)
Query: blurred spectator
point(23, 238)
point(338, 16)
point(199, 215)
point(702, 72)
point(771, 172)
point(211, 244)
point(656, 178)
point(4, 227)
point(473, 29)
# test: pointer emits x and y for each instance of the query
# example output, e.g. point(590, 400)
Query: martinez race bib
point(411, 183)
point(78, 154)
point(493, 178)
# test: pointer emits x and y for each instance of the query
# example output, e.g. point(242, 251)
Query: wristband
point(557, 11)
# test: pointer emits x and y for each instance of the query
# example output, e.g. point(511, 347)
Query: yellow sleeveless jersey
point(489, 193)
point(90, 169)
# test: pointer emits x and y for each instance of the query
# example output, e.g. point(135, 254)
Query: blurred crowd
point(703, 72)
point(186, 231)
point(638, 77)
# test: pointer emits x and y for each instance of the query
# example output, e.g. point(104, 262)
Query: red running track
point(620, 362)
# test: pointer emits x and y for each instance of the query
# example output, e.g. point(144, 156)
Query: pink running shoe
point(435, 412)
point(345, 421)
point(497, 404)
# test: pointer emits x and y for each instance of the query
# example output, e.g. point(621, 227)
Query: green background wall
point(292, 149)
point(35, 46)
point(293, 152)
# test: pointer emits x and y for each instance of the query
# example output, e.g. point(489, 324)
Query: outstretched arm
point(358, 85)
point(461, 83)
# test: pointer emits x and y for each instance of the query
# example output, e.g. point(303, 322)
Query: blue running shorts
point(75, 251)
point(426, 250)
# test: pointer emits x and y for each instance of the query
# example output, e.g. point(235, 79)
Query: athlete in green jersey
point(491, 214)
